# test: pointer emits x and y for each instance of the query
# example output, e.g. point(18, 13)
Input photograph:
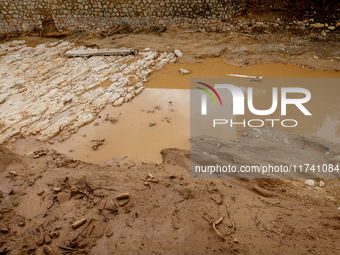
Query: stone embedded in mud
point(113, 119)
point(152, 123)
point(310, 183)
point(317, 25)
point(78, 223)
point(97, 143)
point(123, 196)
point(178, 53)
point(63, 197)
point(323, 33)
point(184, 71)
point(322, 184)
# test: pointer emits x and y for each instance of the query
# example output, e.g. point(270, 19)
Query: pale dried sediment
point(39, 83)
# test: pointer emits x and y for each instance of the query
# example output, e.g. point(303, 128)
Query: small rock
point(323, 33)
point(235, 240)
point(113, 119)
point(150, 176)
point(109, 232)
point(124, 202)
point(157, 107)
point(63, 197)
point(310, 183)
point(322, 184)
point(123, 195)
point(178, 53)
point(172, 176)
point(78, 223)
point(21, 223)
point(57, 189)
point(338, 208)
point(40, 193)
point(96, 124)
point(317, 25)
point(47, 239)
point(184, 71)
point(146, 184)
point(13, 173)
point(147, 49)
point(152, 123)
point(331, 27)
point(48, 250)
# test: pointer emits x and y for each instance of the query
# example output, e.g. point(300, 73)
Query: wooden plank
point(99, 52)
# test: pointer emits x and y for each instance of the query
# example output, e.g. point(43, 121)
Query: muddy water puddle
point(133, 137)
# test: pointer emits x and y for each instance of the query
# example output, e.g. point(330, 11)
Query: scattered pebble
point(310, 183)
point(21, 223)
point(184, 71)
point(113, 119)
point(152, 123)
point(322, 184)
point(47, 239)
point(178, 53)
point(96, 124)
point(48, 250)
point(157, 107)
point(150, 176)
point(235, 240)
point(78, 223)
point(14, 173)
point(57, 189)
point(123, 195)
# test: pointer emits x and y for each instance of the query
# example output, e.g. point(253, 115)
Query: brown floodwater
point(133, 137)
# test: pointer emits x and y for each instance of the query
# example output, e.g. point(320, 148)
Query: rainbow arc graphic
point(209, 93)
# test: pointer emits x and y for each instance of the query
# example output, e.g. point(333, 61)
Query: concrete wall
point(97, 15)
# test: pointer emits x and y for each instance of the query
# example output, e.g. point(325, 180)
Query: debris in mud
point(256, 79)
point(123, 196)
point(57, 189)
point(322, 184)
point(184, 71)
point(63, 197)
point(96, 124)
point(39, 153)
point(317, 25)
point(78, 223)
point(113, 119)
point(167, 119)
point(97, 143)
point(152, 123)
point(48, 250)
point(100, 52)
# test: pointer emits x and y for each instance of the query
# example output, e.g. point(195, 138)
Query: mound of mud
point(59, 203)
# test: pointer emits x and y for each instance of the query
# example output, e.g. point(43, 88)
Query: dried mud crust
point(145, 208)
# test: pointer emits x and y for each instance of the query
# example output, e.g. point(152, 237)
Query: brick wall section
point(97, 15)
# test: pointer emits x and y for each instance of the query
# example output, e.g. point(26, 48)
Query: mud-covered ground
point(167, 212)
